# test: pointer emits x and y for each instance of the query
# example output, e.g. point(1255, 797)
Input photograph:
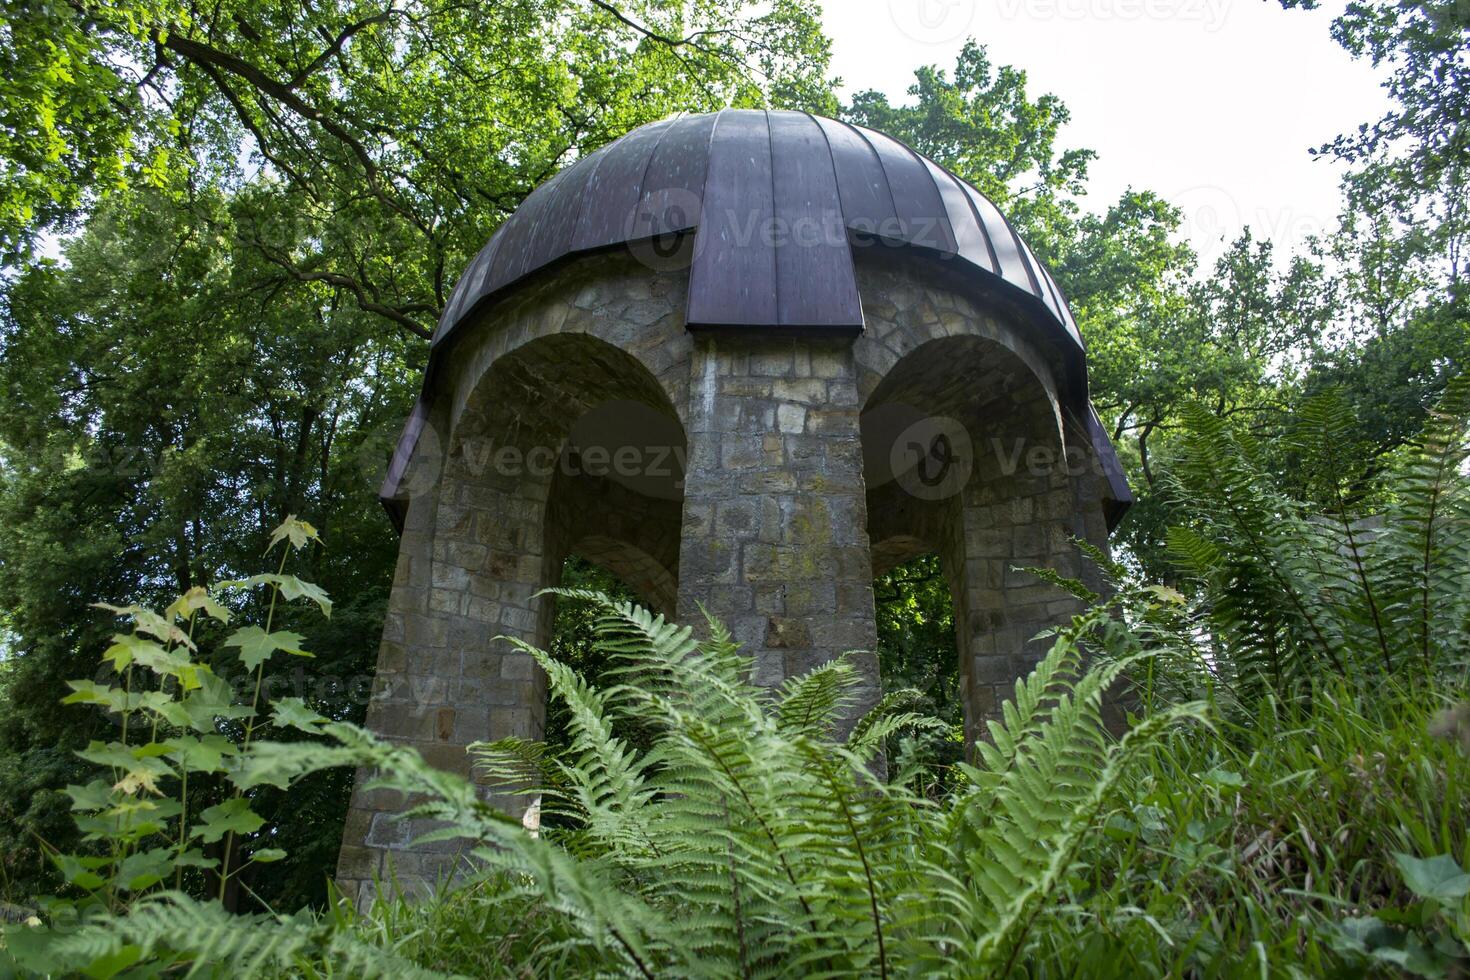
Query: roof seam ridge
point(832, 162)
point(582, 199)
point(974, 213)
point(647, 164)
point(887, 181)
point(775, 244)
point(1024, 251)
point(944, 211)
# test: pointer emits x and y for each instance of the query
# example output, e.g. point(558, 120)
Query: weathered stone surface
point(778, 504)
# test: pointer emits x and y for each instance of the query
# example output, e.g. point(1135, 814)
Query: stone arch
point(939, 370)
point(654, 584)
point(502, 489)
point(906, 307)
point(632, 535)
point(611, 298)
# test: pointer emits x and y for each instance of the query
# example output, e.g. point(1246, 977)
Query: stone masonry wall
point(475, 546)
point(775, 527)
point(772, 535)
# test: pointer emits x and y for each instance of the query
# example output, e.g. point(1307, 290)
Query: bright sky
point(1211, 103)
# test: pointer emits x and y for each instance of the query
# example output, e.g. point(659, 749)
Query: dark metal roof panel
point(1067, 319)
point(816, 282)
point(616, 187)
point(1119, 496)
point(1005, 244)
point(732, 281)
point(737, 178)
point(551, 238)
point(867, 203)
point(922, 220)
point(474, 274)
point(1040, 282)
point(673, 181)
point(513, 258)
point(969, 237)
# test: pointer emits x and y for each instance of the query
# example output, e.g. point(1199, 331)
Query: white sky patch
point(1211, 103)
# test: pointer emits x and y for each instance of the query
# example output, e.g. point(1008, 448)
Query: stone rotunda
point(749, 360)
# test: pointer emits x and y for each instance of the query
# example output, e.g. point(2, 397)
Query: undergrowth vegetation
point(1288, 796)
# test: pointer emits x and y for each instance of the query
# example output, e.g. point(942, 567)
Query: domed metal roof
point(777, 201)
point(767, 209)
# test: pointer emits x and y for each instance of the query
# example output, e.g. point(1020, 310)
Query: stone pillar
point(775, 540)
point(1019, 514)
point(470, 560)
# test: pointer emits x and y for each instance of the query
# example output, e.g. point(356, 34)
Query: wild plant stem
point(270, 618)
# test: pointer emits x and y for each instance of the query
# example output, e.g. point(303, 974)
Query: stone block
point(388, 831)
point(518, 667)
point(784, 633)
point(791, 419)
point(356, 861)
point(800, 391)
point(448, 601)
point(739, 452)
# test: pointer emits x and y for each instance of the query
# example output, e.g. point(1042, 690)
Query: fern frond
point(194, 938)
point(811, 703)
point(604, 776)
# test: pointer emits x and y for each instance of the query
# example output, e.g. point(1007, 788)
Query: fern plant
point(1374, 577)
point(749, 837)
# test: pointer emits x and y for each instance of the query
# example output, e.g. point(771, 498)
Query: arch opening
point(572, 640)
point(915, 616)
point(962, 445)
point(564, 448)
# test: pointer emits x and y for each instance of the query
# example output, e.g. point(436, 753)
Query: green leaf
point(292, 588)
point(81, 871)
point(293, 713)
point(231, 816)
point(279, 763)
point(138, 765)
point(214, 699)
point(1439, 878)
point(113, 962)
point(165, 706)
point(143, 869)
point(256, 645)
point(297, 531)
point(195, 600)
point(200, 755)
point(194, 858)
point(90, 692)
point(129, 648)
point(149, 622)
point(267, 854)
point(1224, 778)
point(96, 795)
point(120, 653)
